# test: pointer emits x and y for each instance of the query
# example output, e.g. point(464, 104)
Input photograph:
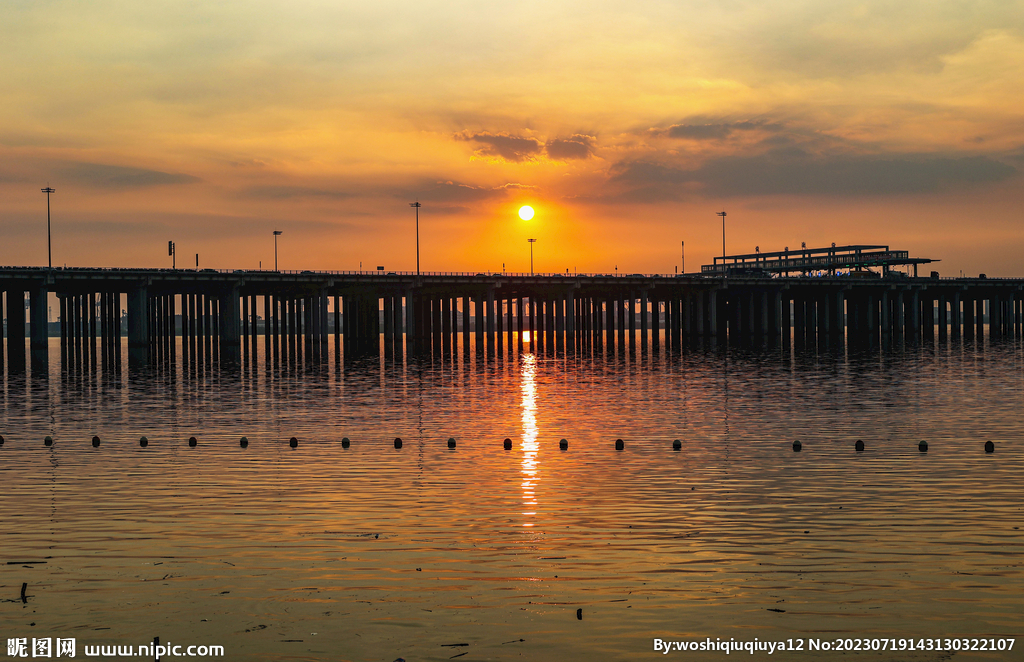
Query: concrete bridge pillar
point(62, 303)
point(929, 312)
point(607, 317)
point(267, 326)
point(715, 313)
point(886, 321)
point(839, 299)
point(900, 313)
point(16, 329)
point(479, 319)
point(323, 307)
point(994, 317)
point(644, 324)
point(138, 324)
point(766, 316)
point(488, 312)
point(873, 325)
point(307, 318)
point(753, 313)
point(520, 327)
point(655, 319)
point(780, 317)
point(446, 316)
point(670, 321)
point(968, 315)
point(915, 314)
point(782, 302)
point(799, 318)
point(825, 315)
point(943, 317)
point(138, 320)
point(955, 316)
point(39, 324)
point(436, 320)
point(411, 320)
point(389, 321)
point(570, 312)
point(699, 316)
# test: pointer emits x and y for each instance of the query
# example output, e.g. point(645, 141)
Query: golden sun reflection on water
point(529, 425)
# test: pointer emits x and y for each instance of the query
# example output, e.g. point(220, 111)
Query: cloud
point(516, 186)
point(791, 171)
point(430, 191)
point(286, 192)
point(503, 145)
point(714, 130)
point(109, 176)
point(8, 177)
point(577, 146)
point(450, 210)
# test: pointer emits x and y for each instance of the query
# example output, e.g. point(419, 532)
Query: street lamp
point(49, 252)
point(276, 233)
point(532, 242)
point(725, 270)
point(417, 206)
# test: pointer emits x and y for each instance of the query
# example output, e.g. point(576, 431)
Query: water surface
point(375, 553)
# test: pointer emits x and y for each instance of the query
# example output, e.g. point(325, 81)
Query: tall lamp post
point(417, 206)
point(49, 251)
point(532, 242)
point(725, 270)
point(276, 233)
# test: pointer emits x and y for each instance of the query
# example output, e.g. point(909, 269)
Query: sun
point(526, 212)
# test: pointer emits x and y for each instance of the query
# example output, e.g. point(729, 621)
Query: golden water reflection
point(529, 424)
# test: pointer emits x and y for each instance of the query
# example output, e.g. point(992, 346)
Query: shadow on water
point(463, 355)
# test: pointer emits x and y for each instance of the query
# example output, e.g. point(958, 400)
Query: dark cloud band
point(793, 172)
point(100, 175)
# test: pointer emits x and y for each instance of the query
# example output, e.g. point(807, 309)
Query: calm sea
point(431, 553)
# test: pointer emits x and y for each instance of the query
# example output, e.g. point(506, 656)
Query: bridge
point(230, 313)
point(813, 260)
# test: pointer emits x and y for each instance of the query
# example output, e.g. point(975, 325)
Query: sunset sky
point(626, 125)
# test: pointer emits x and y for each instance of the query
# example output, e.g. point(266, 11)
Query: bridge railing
point(369, 273)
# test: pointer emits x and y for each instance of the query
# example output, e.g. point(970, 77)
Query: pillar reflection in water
point(529, 425)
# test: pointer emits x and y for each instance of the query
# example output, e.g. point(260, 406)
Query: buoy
point(563, 444)
point(345, 443)
point(143, 442)
point(619, 444)
point(677, 445)
point(95, 442)
point(451, 442)
point(797, 445)
point(244, 442)
point(48, 441)
point(923, 446)
point(293, 442)
point(192, 441)
point(989, 446)
point(508, 444)
point(579, 614)
point(398, 442)
point(858, 445)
